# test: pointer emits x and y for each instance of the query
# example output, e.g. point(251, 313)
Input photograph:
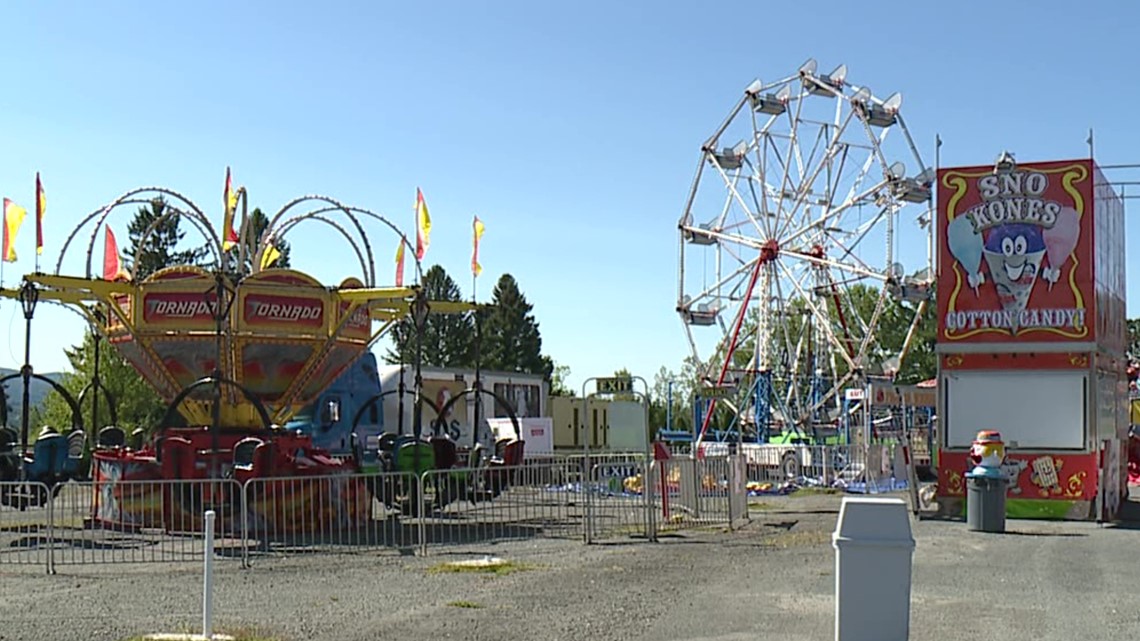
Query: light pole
point(29, 296)
point(420, 310)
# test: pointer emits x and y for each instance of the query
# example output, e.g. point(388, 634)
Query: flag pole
point(478, 339)
point(39, 220)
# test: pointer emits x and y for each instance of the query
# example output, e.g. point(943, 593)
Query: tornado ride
point(237, 350)
point(790, 253)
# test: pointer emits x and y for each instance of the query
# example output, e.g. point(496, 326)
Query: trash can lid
point(876, 520)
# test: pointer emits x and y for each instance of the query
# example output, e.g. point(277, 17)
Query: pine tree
point(161, 248)
point(511, 338)
point(258, 222)
point(449, 339)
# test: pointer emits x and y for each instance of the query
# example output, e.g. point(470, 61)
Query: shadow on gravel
point(1129, 516)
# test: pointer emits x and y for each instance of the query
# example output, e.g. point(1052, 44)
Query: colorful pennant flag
point(423, 225)
point(111, 267)
point(479, 228)
point(13, 218)
point(400, 264)
point(229, 201)
point(270, 256)
point(41, 207)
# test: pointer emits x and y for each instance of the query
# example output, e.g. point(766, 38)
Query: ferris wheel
point(791, 242)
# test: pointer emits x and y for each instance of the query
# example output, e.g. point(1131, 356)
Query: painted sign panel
point(1000, 361)
point(185, 310)
point(270, 310)
point(1015, 254)
point(1031, 475)
point(269, 368)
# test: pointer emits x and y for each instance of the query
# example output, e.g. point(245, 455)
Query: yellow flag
point(270, 256)
point(423, 225)
point(479, 228)
point(13, 218)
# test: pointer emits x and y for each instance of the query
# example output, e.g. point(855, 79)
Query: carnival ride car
point(236, 349)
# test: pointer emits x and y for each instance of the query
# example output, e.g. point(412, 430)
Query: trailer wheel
point(790, 465)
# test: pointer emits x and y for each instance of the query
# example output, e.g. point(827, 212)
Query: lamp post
point(420, 311)
point(29, 296)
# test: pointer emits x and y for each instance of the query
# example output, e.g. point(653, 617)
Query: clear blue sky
point(571, 129)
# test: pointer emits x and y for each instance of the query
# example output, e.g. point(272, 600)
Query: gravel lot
point(770, 580)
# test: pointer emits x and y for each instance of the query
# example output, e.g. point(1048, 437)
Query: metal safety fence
point(592, 499)
point(867, 468)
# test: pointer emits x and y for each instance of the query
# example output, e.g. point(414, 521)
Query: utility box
point(567, 414)
point(628, 426)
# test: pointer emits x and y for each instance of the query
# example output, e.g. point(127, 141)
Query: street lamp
point(29, 296)
point(420, 309)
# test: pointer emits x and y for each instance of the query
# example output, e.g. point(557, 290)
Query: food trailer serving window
point(1031, 409)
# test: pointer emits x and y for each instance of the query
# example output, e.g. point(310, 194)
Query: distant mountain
point(14, 389)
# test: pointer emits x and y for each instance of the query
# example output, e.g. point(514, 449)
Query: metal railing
point(137, 521)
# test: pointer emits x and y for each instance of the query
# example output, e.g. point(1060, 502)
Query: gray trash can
point(985, 503)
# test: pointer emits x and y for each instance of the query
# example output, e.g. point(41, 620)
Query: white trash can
point(873, 553)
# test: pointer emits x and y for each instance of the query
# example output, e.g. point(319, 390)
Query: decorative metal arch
point(288, 224)
point(196, 216)
point(336, 205)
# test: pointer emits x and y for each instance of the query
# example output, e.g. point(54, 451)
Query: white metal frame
point(791, 193)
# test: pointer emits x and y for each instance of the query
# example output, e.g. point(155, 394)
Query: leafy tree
point(1134, 339)
point(136, 403)
point(558, 376)
point(511, 338)
point(448, 340)
point(162, 246)
point(670, 401)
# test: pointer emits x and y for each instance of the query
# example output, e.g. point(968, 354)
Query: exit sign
point(615, 385)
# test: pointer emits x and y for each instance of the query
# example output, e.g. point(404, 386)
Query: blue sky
point(571, 129)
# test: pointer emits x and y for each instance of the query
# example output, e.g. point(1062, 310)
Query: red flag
point(41, 206)
point(110, 255)
point(400, 264)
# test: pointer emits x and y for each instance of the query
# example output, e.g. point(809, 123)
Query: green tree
point(449, 339)
point(511, 338)
point(1134, 339)
point(136, 403)
point(162, 246)
point(558, 377)
point(670, 401)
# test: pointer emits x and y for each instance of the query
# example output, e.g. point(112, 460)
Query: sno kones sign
point(1015, 253)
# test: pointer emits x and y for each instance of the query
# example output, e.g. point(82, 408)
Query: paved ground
point(771, 580)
